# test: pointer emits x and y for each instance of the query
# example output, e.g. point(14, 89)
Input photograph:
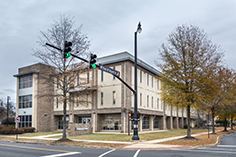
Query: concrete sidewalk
point(153, 144)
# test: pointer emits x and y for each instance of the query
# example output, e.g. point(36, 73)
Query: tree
point(62, 72)
point(187, 59)
point(218, 89)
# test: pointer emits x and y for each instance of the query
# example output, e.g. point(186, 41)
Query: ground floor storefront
point(120, 122)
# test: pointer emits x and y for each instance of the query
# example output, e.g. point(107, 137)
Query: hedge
point(12, 130)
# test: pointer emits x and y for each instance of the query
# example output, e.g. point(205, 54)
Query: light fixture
point(139, 29)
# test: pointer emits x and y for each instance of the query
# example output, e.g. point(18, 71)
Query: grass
point(201, 140)
point(126, 138)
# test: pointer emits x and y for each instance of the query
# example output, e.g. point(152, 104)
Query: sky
point(110, 25)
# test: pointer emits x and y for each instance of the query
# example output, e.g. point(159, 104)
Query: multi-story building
point(106, 102)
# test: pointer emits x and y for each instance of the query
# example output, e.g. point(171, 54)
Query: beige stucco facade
point(102, 100)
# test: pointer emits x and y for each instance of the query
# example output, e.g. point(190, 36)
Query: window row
point(25, 121)
point(25, 101)
point(152, 80)
point(152, 102)
point(25, 81)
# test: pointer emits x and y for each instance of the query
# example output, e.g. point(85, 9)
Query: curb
point(214, 144)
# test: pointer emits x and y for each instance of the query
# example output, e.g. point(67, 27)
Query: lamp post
point(135, 134)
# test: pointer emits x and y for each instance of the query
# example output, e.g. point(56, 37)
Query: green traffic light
point(68, 55)
point(94, 66)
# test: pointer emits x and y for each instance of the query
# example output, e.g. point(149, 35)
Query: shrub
point(29, 129)
point(7, 121)
point(10, 131)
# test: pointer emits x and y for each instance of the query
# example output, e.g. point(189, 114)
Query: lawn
point(126, 138)
point(201, 140)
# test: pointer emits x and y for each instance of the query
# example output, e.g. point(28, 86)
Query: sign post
point(17, 120)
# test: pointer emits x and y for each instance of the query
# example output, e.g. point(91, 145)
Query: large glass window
point(140, 76)
point(25, 81)
point(25, 101)
point(111, 122)
point(25, 121)
point(157, 103)
point(155, 123)
point(145, 122)
point(60, 122)
point(148, 101)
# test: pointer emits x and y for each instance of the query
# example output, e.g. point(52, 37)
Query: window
point(101, 75)
point(88, 77)
point(114, 68)
point(57, 102)
point(152, 81)
point(155, 123)
point(111, 122)
point(152, 102)
point(25, 101)
point(25, 121)
point(78, 80)
point(60, 122)
point(140, 99)
point(77, 101)
point(157, 103)
point(57, 82)
point(147, 79)
point(25, 81)
point(145, 122)
point(148, 101)
point(158, 87)
point(140, 76)
point(87, 99)
point(114, 97)
point(101, 98)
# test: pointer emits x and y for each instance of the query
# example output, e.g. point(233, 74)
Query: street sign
point(109, 70)
point(17, 119)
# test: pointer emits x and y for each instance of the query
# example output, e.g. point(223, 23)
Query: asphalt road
point(226, 148)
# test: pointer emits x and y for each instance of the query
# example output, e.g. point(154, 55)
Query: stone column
point(151, 123)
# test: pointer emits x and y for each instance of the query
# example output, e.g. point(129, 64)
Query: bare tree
point(62, 73)
point(187, 58)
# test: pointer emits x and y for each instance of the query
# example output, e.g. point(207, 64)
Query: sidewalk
point(153, 144)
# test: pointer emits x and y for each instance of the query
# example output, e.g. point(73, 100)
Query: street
point(226, 148)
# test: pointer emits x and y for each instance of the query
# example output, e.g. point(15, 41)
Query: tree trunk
point(225, 125)
point(213, 120)
point(188, 117)
point(64, 101)
point(232, 128)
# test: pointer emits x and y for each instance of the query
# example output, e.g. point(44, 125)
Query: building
point(106, 102)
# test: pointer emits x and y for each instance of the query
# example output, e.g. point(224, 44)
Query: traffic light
point(138, 114)
point(67, 49)
point(92, 61)
point(131, 114)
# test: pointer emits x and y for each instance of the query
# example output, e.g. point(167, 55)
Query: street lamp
point(135, 134)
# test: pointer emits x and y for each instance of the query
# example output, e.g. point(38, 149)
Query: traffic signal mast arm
point(113, 74)
point(134, 91)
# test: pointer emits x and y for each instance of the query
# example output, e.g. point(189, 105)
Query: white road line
point(106, 153)
point(136, 154)
point(206, 151)
point(64, 154)
point(226, 146)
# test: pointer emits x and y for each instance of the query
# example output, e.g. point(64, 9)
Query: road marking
point(206, 151)
point(226, 146)
point(106, 153)
point(53, 150)
point(64, 154)
point(136, 154)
